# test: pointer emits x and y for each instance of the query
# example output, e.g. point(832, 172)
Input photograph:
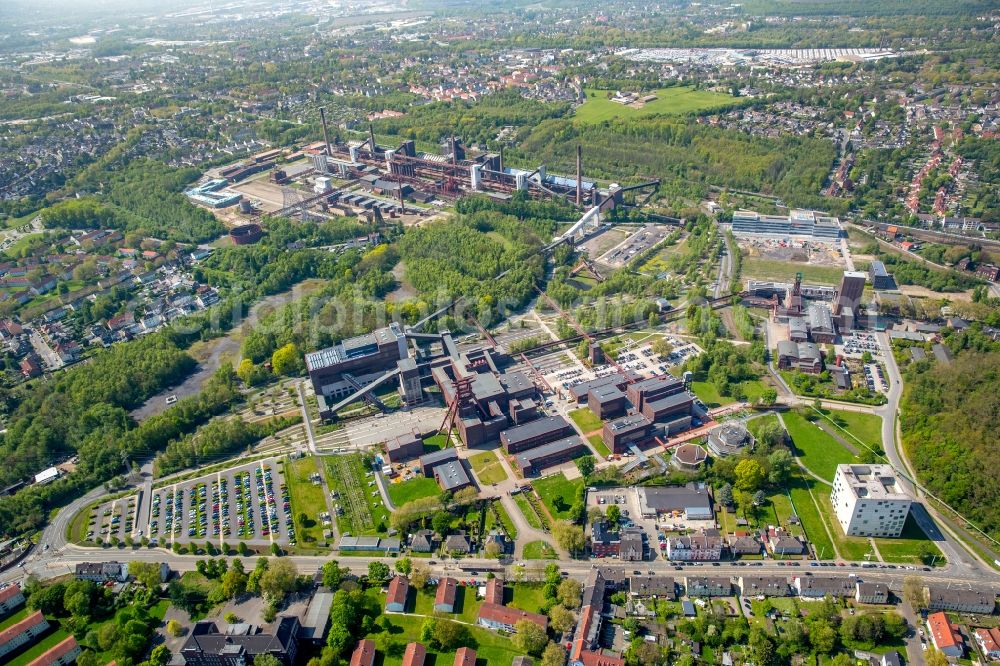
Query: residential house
point(495, 616)
point(708, 586)
point(62, 653)
point(958, 600)
point(395, 599)
point(817, 587)
point(414, 655)
point(871, 593)
point(944, 635)
point(102, 572)
point(633, 547)
point(458, 543)
point(11, 598)
point(603, 541)
point(989, 642)
point(239, 644)
point(764, 586)
point(444, 599)
point(24, 632)
point(364, 653)
point(423, 541)
point(465, 657)
point(661, 587)
point(694, 548)
point(494, 592)
point(743, 545)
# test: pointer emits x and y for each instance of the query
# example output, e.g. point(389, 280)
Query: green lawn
point(435, 443)
point(306, 498)
point(708, 394)
point(466, 604)
point(812, 522)
point(527, 511)
point(504, 519)
point(20, 615)
point(864, 427)
point(586, 419)
point(488, 469)
point(558, 493)
point(407, 491)
point(597, 441)
point(539, 550)
point(672, 101)
point(786, 270)
point(757, 424)
point(363, 508)
point(528, 597)
point(491, 649)
point(820, 452)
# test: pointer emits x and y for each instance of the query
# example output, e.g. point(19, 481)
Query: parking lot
point(640, 241)
point(248, 503)
point(854, 347)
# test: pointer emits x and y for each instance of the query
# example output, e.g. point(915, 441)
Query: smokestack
point(371, 137)
point(326, 137)
point(454, 150)
point(579, 175)
point(501, 159)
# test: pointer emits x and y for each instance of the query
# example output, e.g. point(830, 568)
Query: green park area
point(524, 503)
point(307, 499)
point(774, 269)
point(489, 470)
point(597, 441)
point(412, 489)
point(586, 419)
point(816, 448)
point(362, 504)
point(539, 550)
point(669, 101)
point(859, 429)
point(558, 494)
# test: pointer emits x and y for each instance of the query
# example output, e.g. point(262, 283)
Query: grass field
point(817, 450)
point(709, 395)
point(435, 443)
point(488, 469)
point(491, 520)
point(558, 493)
point(363, 508)
point(864, 427)
point(466, 604)
point(673, 101)
point(786, 270)
point(407, 491)
point(597, 441)
point(306, 498)
point(527, 511)
point(757, 424)
point(55, 635)
point(539, 550)
point(528, 597)
point(812, 522)
point(491, 649)
point(586, 419)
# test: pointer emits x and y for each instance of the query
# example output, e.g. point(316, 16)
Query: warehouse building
point(579, 392)
point(880, 277)
point(431, 460)
point(653, 389)
point(669, 407)
point(627, 430)
point(805, 223)
point(403, 448)
point(607, 402)
point(691, 501)
point(451, 476)
point(535, 433)
point(533, 461)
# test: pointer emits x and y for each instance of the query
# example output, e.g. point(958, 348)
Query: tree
point(146, 573)
point(234, 581)
point(287, 360)
point(913, 591)
point(493, 550)
point(822, 637)
point(780, 464)
point(662, 347)
point(441, 522)
point(895, 624)
point(159, 656)
point(108, 636)
point(280, 578)
point(595, 515)
point(560, 618)
point(333, 575)
point(762, 650)
point(569, 536)
point(553, 655)
point(586, 465)
point(378, 572)
point(404, 566)
point(266, 659)
point(450, 635)
point(768, 396)
point(174, 628)
point(529, 638)
point(570, 591)
point(231, 618)
point(759, 498)
point(614, 514)
point(749, 475)
point(934, 657)
point(419, 575)
point(725, 495)
point(466, 496)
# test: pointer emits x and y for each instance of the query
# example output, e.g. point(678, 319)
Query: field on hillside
point(674, 101)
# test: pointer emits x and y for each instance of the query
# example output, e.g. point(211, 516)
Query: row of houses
point(415, 655)
point(29, 630)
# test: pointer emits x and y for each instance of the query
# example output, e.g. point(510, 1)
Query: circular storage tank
point(246, 234)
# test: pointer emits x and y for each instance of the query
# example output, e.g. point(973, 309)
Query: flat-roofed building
point(533, 461)
point(881, 278)
point(692, 501)
point(604, 542)
point(869, 500)
point(431, 460)
point(535, 433)
point(803, 223)
point(404, 447)
point(364, 357)
point(668, 407)
point(620, 433)
point(579, 392)
point(451, 476)
point(850, 292)
point(607, 402)
point(240, 643)
point(652, 389)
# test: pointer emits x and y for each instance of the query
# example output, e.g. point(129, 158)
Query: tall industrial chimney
point(326, 136)
point(501, 160)
point(454, 150)
point(371, 137)
point(579, 175)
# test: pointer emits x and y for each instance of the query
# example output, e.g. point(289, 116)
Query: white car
point(171, 399)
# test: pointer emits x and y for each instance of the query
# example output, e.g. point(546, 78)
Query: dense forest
point(949, 429)
point(687, 156)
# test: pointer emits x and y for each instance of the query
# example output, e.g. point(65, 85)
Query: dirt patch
point(924, 292)
point(405, 291)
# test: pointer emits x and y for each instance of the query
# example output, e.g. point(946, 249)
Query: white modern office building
point(869, 500)
point(805, 223)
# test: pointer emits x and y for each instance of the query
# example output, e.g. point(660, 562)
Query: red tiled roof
point(55, 653)
point(364, 654)
point(447, 588)
point(990, 639)
point(9, 592)
point(14, 630)
point(589, 658)
point(465, 657)
point(494, 591)
point(511, 616)
point(398, 588)
point(414, 655)
point(944, 632)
